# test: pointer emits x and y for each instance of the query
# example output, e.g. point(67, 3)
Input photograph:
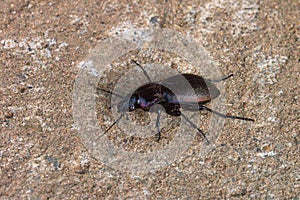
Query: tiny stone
point(9, 115)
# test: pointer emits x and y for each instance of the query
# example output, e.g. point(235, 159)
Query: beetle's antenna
point(110, 92)
point(149, 79)
point(223, 115)
point(221, 79)
point(195, 127)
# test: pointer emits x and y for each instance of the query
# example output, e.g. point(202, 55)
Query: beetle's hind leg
point(221, 79)
point(202, 107)
point(195, 127)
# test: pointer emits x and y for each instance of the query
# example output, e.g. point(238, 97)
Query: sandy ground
point(44, 46)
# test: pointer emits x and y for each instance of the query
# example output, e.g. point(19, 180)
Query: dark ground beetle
point(156, 93)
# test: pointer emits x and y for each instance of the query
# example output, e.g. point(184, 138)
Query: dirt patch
point(42, 46)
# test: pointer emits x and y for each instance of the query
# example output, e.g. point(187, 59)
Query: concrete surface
point(42, 45)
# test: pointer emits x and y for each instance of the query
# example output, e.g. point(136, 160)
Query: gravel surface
point(45, 48)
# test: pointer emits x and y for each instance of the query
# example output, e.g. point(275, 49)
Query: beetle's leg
point(110, 92)
point(202, 107)
point(115, 122)
point(158, 134)
point(195, 127)
point(221, 79)
point(172, 109)
point(112, 105)
point(149, 79)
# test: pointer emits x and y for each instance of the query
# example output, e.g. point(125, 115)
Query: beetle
point(158, 93)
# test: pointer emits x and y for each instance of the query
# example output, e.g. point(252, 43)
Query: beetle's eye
point(131, 107)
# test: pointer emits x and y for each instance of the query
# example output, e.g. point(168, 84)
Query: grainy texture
point(42, 43)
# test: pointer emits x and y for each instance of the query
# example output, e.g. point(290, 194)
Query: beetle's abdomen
point(190, 88)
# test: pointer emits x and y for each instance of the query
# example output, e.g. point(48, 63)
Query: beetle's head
point(129, 104)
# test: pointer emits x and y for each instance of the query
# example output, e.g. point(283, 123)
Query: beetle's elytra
point(154, 93)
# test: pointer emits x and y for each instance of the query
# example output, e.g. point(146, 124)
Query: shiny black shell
point(204, 89)
point(187, 91)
